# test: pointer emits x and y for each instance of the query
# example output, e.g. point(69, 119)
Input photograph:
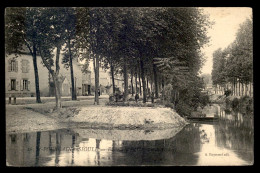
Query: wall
point(43, 78)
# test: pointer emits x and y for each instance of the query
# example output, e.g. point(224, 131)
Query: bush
point(169, 105)
point(228, 102)
point(183, 109)
point(168, 92)
point(235, 103)
point(246, 105)
point(204, 100)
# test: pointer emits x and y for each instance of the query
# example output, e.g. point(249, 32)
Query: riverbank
point(243, 104)
point(127, 117)
point(82, 113)
point(21, 120)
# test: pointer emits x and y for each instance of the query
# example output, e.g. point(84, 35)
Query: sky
point(223, 31)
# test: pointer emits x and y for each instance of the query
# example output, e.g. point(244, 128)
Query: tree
point(89, 39)
point(71, 50)
point(53, 37)
point(235, 63)
point(179, 57)
point(21, 29)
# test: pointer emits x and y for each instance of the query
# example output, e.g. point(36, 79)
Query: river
point(228, 141)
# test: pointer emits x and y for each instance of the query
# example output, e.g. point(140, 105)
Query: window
point(25, 66)
point(13, 66)
point(25, 84)
point(13, 84)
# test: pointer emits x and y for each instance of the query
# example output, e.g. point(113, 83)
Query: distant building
point(105, 80)
point(20, 79)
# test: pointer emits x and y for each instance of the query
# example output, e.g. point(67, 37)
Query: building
point(20, 79)
point(105, 80)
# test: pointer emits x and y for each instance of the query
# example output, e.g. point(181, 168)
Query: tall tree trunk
point(136, 88)
point(162, 89)
point(132, 86)
point(36, 76)
point(242, 89)
point(147, 86)
point(57, 92)
point(113, 77)
point(151, 85)
point(73, 92)
point(143, 80)
point(55, 76)
point(155, 81)
point(95, 74)
point(49, 80)
point(57, 80)
point(175, 97)
point(140, 85)
point(234, 87)
point(239, 90)
point(159, 85)
point(125, 81)
point(97, 80)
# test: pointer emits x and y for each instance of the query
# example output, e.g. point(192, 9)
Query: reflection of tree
point(235, 131)
point(51, 150)
point(188, 140)
point(57, 149)
point(73, 145)
point(177, 150)
point(98, 152)
point(38, 140)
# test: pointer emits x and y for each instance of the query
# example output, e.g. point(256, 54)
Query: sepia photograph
point(129, 86)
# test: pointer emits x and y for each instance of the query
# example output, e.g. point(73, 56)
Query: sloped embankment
point(134, 117)
point(128, 135)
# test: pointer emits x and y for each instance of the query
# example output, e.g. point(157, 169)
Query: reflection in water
point(38, 140)
point(73, 145)
point(226, 142)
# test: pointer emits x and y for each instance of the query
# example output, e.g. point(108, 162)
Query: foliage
point(236, 61)
point(144, 42)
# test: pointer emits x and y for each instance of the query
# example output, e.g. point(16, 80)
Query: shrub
point(228, 102)
point(183, 109)
point(235, 103)
point(169, 105)
point(204, 100)
point(246, 104)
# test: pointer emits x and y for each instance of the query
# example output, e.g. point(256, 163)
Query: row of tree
point(233, 66)
point(159, 45)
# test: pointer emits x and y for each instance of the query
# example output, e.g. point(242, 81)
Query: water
point(226, 142)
